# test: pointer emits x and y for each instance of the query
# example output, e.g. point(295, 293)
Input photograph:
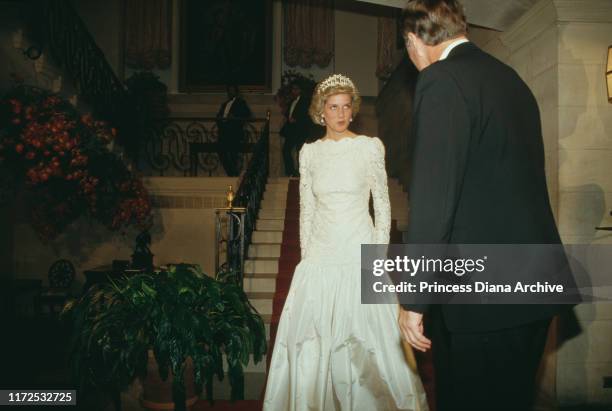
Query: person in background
point(296, 128)
point(230, 125)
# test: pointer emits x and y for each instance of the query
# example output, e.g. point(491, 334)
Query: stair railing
point(241, 218)
point(188, 145)
point(73, 48)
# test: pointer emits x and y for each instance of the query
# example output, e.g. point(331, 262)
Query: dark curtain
point(148, 34)
point(309, 32)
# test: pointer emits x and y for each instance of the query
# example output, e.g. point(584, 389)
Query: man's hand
point(411, 327)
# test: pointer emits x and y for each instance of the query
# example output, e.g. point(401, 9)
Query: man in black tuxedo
point(230, 125)
point(296, 128)
point(478, 178)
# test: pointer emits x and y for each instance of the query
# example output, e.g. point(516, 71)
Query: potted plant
point(181, 316)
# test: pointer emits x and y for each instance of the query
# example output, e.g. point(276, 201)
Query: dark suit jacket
point(478, 171)
point(301, 128)
point(231, 128)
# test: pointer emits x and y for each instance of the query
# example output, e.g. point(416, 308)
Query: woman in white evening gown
point(331, 351)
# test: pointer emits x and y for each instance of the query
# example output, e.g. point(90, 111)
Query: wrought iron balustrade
point(241, 221)
point(185, 145)
point(74, 49)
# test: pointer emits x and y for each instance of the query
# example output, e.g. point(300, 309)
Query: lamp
point(609, 74)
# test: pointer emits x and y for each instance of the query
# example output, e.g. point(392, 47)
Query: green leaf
point(175, 312)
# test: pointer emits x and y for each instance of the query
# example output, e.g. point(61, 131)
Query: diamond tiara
point(335, 80)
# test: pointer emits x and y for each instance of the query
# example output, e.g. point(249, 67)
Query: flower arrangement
point(61, 160)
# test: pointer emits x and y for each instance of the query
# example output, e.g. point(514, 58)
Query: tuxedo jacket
point(231, 128)
point(300, 129)
point(478, 171)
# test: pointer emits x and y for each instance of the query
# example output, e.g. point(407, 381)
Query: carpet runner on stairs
point(289, 258)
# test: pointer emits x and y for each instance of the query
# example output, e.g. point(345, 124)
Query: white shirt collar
point(228, 107)
point(451, 46)
point(293, 104)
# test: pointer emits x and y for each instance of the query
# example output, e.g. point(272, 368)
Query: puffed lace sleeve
point(380, 193)
point(306, 199)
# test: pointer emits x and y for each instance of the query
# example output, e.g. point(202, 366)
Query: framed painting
point(226, 42)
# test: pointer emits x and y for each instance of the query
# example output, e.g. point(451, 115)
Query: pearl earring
point(322, 120)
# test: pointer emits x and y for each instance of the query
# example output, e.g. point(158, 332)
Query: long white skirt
point(334, 353)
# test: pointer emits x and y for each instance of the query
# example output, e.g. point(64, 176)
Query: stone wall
point(559, 48)
point(184, 231)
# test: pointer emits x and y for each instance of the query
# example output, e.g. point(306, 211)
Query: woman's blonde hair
point(332, 85)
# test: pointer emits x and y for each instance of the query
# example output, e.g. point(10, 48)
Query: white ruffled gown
point(331, 351)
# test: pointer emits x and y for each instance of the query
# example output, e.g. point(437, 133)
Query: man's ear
point(415, 43)
point(409, 42)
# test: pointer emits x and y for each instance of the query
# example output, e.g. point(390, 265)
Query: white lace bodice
point(336, 178)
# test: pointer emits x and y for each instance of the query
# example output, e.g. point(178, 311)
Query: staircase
point(267, 245)
point(273, 254)
point(261, 270)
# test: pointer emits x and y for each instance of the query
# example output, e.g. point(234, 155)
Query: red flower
point(63, 142)
point(87, 119)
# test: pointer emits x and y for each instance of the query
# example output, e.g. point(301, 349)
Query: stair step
point(275, 193)
point(272, 214)
point(273, 203)
point(274, 182)
point(259, 295)
point(267, 237)
point(268, 224)
point(276, 190)
point(254, 383)
point(259, 284)
point(260, 275)
point(265, 250)
point(261, 265)
point(262, 301)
